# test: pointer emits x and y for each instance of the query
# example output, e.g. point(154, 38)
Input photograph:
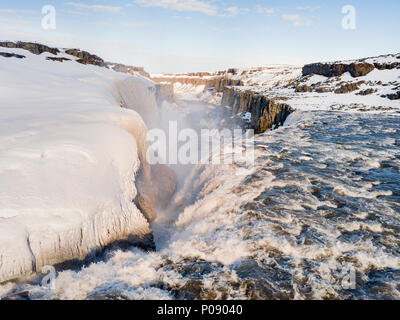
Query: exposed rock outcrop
point(265, 113)
point(118, 67)
point(393, 96)
point(219, 84)
point(85, 57)
point(34, 48)
point(348, 87)
point(12, 55)
point(233, 71)
point(57, 59)
point(303, 88)
point(387, 66)
point(366, 92)
point(338, 69)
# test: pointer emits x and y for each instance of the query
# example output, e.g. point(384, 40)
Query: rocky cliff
point(357, 68)
point(34, 48)
point(85, 57)
point(12, 55)
point(373, 77)
point(215, 82)
point(338, 69)
point(219, 84)
point(265, 113)
point(209, 86)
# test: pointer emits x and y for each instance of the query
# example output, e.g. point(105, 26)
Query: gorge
point(320, 201)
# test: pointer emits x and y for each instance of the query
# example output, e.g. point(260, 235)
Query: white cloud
point(96, 7)
point(181, 5)
point(234, 11)
point(297, 20)
point(267, 11)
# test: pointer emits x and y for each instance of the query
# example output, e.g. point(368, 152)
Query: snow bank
point(68, 159)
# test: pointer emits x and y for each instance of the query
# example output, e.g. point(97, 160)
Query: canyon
point(76, 185)
point(262, 98)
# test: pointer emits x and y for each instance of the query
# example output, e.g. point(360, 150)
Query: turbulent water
point(316, 217)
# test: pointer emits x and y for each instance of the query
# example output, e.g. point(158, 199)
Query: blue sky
point(207, 35)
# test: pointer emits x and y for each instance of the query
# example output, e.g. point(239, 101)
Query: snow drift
point(71, 160)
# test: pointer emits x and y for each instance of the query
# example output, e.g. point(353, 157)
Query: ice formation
point(69, 156)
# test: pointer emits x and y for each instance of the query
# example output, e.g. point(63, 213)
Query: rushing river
point(317, 216)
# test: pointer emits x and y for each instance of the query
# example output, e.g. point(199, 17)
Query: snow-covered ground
point(68, 158)
point(388, 59)
point(379, 83)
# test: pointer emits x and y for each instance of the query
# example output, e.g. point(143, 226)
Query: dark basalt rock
point(11, 55)
point(360, 69)
point(386, 66)
point(338, 69)
point(85, 57)
point(348, 87)
point(265, 113)
point(366, 92)
point(58, 59)
point(233, 71)
point(322, 90)
point(393, 96)
point(303, 88)
point(219, 84)
point(34, 48)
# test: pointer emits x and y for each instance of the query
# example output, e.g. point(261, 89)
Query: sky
point(166, 36)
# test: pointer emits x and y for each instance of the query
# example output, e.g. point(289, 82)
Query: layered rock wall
point(34, 48)
point(338, 69)
point(265, 113)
